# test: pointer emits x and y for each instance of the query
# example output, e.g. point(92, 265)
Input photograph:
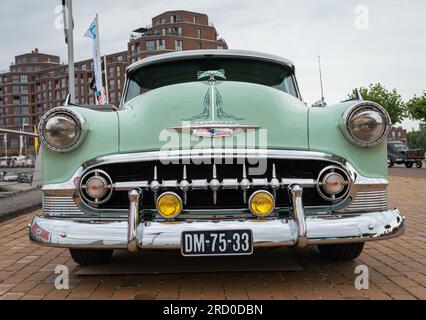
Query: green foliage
point(417, 139)
point(416, 108)
point(391, 100)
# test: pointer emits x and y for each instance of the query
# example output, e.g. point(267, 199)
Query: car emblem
point(213, 132)
point(211, 129)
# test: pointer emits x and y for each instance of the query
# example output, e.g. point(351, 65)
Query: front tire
point(85, 257)
point(419, 165)
point(341, 252)
point(390, 163)
point(409, 165)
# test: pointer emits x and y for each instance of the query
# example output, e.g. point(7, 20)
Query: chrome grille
point(369, 201)
point(60, 206)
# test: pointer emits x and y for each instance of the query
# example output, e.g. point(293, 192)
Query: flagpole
point(70, 34)
point(5, 143)
point(106, 79)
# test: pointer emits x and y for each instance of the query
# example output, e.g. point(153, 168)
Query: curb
point(16, 211)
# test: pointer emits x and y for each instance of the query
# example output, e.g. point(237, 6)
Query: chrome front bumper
point(320, 229)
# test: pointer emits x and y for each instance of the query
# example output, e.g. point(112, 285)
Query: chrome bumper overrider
point(324, 229)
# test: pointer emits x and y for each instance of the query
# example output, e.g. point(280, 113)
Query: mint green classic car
point(214, 153)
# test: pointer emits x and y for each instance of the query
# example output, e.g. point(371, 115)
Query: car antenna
point(321, 82)
point(322, 102)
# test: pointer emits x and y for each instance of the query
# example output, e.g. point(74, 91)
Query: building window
point(199, 33)
point(150, 46)
point(24, 100)
point(175, 19)
point(221, 47)
point(161, 44)
point(163, 21)
point(24, 78)
point(178, 45)
point(194, 20)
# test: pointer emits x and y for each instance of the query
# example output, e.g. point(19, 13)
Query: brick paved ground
point(397, 269)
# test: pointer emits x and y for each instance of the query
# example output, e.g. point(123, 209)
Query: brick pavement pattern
point(397, 269)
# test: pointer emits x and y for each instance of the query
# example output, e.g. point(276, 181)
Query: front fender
point(325, 135)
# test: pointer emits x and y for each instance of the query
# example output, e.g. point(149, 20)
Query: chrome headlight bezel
point(348, 117)
point(75, 116)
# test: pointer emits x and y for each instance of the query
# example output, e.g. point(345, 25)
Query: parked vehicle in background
point(11, 177)
point(4, 162)
point(19, 162)
point(29, 162)
point(2, 174)
point(398, 153)
point(25, 178)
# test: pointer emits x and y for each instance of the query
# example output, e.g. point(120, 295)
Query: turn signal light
point(169, 205)
point(262, 203)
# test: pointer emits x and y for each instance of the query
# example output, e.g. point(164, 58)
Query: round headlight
point(61, 130)
point(169, 205)
point(262, 204)
point(366, 124)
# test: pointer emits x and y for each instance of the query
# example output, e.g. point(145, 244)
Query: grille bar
point(60, 206)
point(369, 201)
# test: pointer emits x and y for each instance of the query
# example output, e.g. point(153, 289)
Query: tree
point(390, 100)
point(417, 139)
point(416, 108)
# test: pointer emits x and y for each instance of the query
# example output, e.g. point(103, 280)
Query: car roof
point(193, 54)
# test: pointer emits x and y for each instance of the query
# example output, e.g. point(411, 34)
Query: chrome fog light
point(333, 183)
point(96, 187)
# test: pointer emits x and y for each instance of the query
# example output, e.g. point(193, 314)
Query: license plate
point(217, 243)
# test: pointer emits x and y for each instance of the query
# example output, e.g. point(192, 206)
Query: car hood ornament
point(213, 108)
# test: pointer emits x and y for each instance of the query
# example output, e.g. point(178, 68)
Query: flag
point(93, 33)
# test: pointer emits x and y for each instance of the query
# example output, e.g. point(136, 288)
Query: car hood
point(145, 122)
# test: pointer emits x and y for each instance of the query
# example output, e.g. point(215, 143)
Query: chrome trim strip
point(327, 229)
point(205, 154)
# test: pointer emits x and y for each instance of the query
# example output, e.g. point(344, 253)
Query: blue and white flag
point(93, 33)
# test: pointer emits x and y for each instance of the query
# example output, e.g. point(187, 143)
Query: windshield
point(399, 146)
point(253, 71)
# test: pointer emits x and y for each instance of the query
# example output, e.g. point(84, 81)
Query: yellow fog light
point(262, 203)
point(169, 205)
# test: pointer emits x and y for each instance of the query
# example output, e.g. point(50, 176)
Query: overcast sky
point(387, 46)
